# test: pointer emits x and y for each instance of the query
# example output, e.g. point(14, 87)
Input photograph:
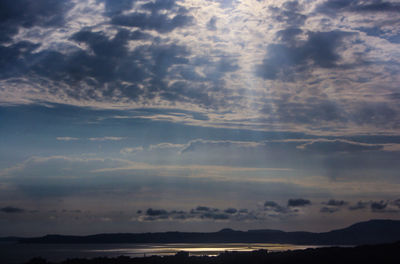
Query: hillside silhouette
point(370, 232)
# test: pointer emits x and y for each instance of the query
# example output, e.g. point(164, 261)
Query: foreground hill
point(370, 232)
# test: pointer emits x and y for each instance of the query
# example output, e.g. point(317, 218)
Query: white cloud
point(131, 150)
point(106, 138)
point(67, 138)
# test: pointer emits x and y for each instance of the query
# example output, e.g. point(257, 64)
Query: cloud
point(159, 5)
point(212, 23)
point(158, 22)
point(113, 7)
point(359, 206)
point(106, 138)
point(284, 61)
point(11, 210)
point(131, 150)
point(327, 145)
point(230, 211)
point(67, 138)
point(152, 212)
point(205, 209)
point(271, 205)
point(289, 13)
point(298, 202)
point(215, 216)
point(157, 19)
point(329, 210)
point(166, 145)
point(333, 206)
point(201, 144)
point(201, 213)
point(334, 6)
point(336, 203)
point(388, 206)
point(27, 14)
point(378, 206)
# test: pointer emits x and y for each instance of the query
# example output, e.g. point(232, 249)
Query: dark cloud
point(331, 7)
point(288, 35)
point(339, 146)
point(215, 216)
point(157, 19)
point(376, 31)
point(329, 210)
point(206, 213)
point(333, 202)
point(378, 206)
point(271, 204)
point(333, 206)
point(316, 110)
point(160, 5)
point(27, 14)
point(359, 206)
point(154, 21)
point(107, 61)
point(109, 70)
point(205, 209)
point(200, 212)
point(289, 13)
point(275, 207)
point(312, 112)
point(230, 211)
point(375, 206)
point(13, 58)
point(11, 210)
point(375, 113)
point(298, 202)
point(212, 23)
point(116, 7)
point(226, 64)
point(283, 61)
point(152, 212)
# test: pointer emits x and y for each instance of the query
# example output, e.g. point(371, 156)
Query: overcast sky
point(144, 116)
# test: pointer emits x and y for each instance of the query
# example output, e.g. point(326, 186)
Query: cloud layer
point(301, 65)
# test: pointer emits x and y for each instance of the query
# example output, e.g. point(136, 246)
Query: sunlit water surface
point(19, 253)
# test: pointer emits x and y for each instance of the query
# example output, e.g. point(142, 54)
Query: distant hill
point(370, 232)
point(9, 239)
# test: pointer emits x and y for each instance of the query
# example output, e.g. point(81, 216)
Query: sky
point(185, 115)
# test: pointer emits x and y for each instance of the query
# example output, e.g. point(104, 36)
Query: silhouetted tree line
point(380, 254)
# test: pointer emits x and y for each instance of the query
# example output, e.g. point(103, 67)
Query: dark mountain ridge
point(370, 232)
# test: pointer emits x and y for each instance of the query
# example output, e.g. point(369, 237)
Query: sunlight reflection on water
point(196, 249)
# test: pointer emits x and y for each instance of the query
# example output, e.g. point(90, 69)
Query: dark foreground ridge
point(385, 253)
point(370, 232)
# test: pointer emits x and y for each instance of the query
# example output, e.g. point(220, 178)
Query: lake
point(18, 253)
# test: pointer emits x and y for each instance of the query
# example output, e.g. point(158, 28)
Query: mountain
point(9, 239)
point(370, 232)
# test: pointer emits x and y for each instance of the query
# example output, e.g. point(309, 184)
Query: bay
point(13, 253)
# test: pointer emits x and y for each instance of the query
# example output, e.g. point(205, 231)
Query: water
point(11, 253)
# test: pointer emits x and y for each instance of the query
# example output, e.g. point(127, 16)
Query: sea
point(14, 253)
